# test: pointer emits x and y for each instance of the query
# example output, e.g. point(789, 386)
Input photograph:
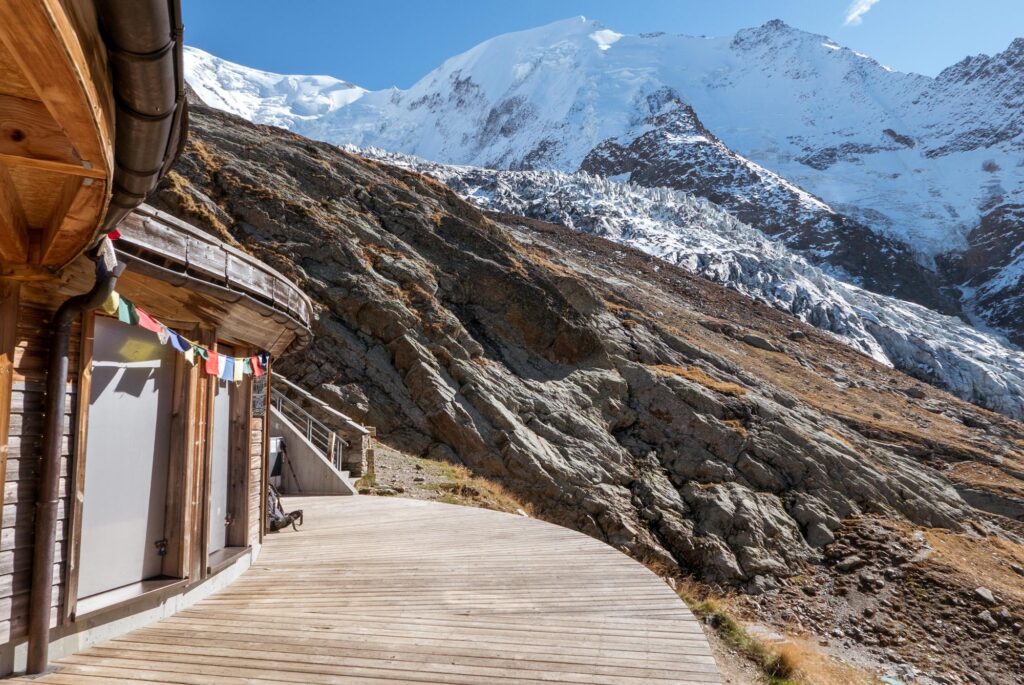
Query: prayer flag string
point(213, 363)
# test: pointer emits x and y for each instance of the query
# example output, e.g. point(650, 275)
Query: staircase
point(307, 455)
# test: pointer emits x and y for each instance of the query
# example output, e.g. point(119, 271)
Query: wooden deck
point(387, 591)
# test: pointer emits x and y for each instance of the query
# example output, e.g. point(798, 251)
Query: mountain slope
point(697, 235)
point(616, 393)
point(906, 167)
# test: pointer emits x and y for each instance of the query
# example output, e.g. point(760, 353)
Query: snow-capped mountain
point(699, 236)
point(284, 101)
point(889, 180)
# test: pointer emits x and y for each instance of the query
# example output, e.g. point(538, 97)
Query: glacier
point(699, 236)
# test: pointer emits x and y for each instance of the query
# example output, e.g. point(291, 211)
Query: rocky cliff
point(620, 395)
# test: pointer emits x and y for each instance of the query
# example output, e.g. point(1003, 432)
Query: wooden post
point(265, 470)
point(76, 466)
point(239, 460)
point(181, 468)
point(204, 436)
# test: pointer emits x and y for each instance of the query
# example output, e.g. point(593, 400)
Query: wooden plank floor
point(387, 591)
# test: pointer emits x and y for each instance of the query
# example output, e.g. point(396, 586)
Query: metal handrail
point(320, 436)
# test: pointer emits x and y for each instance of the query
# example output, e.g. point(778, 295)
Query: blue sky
point(384, 43)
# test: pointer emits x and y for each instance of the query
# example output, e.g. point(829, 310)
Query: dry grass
point(978, 561)
point(466, 489)
point(182, 190)
point(793, 662)
point(698, 375)
point(405, 475)
point(807, 665)
point(737, 426)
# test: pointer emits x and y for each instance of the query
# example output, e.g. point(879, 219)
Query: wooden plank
point(204, 433)
point(180, 512)
point(28, 131)
point(78, 458)
point(265, 456)
point(395, 591)
point(11, 77)
point(50, 165)
point(13, 224)
point(9, 292)
point(62, 236)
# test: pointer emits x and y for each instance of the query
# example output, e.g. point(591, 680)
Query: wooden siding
point(28, 389)
point(256, 457)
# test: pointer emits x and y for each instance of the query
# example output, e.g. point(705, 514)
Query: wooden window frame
point(239, 466)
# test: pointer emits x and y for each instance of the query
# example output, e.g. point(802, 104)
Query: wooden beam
point(77, 470)
point(182, 472)
point(73, 222)
point(13, 226)
point(265, 462)
point(201, 543)
point(52, 166)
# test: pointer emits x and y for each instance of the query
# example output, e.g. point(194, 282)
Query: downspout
point(48, 490)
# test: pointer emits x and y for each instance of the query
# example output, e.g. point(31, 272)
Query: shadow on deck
point(387, 591)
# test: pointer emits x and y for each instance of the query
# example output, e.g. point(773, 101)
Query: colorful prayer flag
point(238, 369)
point(147, 321)
point(107, 259)
point(257, 370)
point(111, 303)
point(211, 364)
point(227, 368)
point(190, 356)
point(126, 312)
point(164, 334)
point(178, 342)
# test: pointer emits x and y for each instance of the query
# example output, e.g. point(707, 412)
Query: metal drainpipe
point(48, 490)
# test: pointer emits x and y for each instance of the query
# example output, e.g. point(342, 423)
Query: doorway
point(220, 464)
point(127, 454)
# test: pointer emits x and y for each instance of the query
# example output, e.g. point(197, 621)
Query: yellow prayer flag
point(111, 303)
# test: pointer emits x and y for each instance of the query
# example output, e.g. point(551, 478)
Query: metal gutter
point(144, 47)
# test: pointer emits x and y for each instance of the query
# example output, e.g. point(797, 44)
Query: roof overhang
point(92, 113)
point(189, 279)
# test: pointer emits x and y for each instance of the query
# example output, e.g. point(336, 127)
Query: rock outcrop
point(618, 394)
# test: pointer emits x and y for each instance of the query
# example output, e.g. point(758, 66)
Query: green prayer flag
point(126, 312)
point(247, 367)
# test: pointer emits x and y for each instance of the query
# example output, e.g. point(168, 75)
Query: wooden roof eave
point(67, 132)
point(163, 247)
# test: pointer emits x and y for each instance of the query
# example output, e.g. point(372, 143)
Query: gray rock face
point(570, 369)
point(700, 237)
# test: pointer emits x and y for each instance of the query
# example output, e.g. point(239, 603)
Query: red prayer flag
point(257, 370)
point(147, 321)
point(211, 365)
